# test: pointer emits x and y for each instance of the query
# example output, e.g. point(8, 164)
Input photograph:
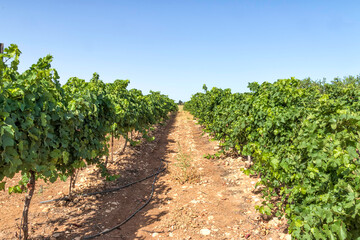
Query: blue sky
point(177, 46)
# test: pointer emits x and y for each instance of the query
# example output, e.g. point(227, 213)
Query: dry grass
point(184, 171)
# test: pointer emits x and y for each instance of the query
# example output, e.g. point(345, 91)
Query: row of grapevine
point(304, 139)
point(48, 131)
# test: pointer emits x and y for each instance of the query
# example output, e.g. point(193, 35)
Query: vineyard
point(48, 131)
point(302, 138)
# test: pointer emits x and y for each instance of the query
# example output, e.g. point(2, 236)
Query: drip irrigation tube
point(137, 211)
point(107, 190)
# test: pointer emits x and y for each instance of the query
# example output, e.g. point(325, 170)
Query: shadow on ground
point(91, 215)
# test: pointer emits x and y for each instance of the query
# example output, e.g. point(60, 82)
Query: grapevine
point(49, 131)
point(304, 138)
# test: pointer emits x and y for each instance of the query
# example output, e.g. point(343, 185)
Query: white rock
point(56, 235)
point(46, 209)
point(205, 232)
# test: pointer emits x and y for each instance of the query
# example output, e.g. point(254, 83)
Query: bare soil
point(195, 198)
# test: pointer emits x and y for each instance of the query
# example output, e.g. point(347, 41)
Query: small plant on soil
point(185, 171)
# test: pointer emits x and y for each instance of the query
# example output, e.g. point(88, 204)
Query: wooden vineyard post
point(112, 147)
point(1, 50)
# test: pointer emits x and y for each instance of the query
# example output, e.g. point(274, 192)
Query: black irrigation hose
point(107, 190)
point(132, 215)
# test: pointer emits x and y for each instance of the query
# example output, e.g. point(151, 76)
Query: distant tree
point(180, 102)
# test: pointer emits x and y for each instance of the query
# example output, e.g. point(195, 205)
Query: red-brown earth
point(195, 198)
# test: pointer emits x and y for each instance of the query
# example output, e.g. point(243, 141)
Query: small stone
point(265, 217)
point(155, 234)
point(57, 235)
point(205, 232)
point(46, 209)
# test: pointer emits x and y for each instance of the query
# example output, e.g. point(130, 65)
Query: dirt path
point(195, 198)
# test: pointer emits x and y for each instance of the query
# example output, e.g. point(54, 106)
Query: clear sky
point(177, 46)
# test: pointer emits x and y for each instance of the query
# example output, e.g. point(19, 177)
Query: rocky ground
point(195, 198)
